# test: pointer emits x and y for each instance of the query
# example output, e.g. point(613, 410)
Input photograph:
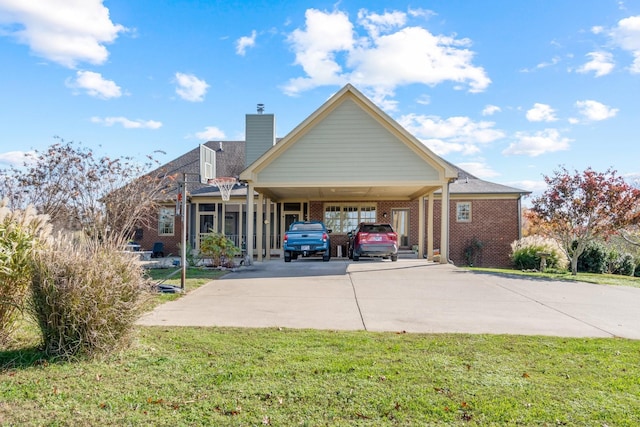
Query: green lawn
point(195, 278)
point(212, 376)
point(282, 377)
point(601, 279)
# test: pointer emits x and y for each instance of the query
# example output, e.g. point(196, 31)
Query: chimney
point(260, 134)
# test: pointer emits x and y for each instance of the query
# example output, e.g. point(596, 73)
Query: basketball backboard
point(207, 164)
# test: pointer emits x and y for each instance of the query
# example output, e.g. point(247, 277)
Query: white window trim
point(170, 214)
point(458, 205)
point(342, 205)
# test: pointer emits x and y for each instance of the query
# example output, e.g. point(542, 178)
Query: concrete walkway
point(408, 295)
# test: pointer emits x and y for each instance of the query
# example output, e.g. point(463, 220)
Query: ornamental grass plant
point(86, 296)
point(525, 253)
point(21, 232)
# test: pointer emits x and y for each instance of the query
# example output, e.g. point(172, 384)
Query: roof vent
point(260, 108)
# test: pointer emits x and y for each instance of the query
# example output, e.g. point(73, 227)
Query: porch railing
point(276, 241)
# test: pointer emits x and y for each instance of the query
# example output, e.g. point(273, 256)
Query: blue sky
point(508, 90)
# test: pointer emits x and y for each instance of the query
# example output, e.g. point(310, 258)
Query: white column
point(223, 213)
point(430, 229)
point(250, 211)
point(444, 226)
point(421, 227)
point(260, 226)
point(267, 233)
point(240, 225)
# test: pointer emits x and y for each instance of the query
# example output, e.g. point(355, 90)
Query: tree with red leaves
point(580, 207)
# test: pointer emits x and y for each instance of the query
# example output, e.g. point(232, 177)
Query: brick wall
point(171, 243)
point(494, 223)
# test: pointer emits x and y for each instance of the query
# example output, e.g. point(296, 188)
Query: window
point(342, 218)
point(166, 221)
point(463, 211)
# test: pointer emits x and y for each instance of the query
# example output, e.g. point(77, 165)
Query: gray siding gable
point(351, 147)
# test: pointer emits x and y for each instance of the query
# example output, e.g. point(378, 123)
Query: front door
point(400, 223)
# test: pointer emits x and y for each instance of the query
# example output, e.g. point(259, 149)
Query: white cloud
point(479, 169)
point(63, 31)
point(546, 141)
point(14, 158)
point(601, 63)
point(385, 23)
point(210, 133)
point(126, 123)
point(384, 55)
point(191, 88)
point(490, 110)
point(541, 113)
point(95, 85)
point(595, 111)
point(424, 100)
point(315, 47)
point(627, 36)
point(455, 134)
point(554, 61)
point(245, 42)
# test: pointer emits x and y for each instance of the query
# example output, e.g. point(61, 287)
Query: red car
point(373, 240)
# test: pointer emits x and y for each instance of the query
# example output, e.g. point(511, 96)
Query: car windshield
point(377, 228)
point(307, 227)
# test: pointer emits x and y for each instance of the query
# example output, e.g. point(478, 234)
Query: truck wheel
point(294, 256)
point(287, 257)
point(326, 258)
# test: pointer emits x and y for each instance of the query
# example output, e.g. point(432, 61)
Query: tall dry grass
point(21, 232)
point(86, 296)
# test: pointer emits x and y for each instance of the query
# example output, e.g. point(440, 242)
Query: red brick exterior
point(494, 225)
point(171, 243)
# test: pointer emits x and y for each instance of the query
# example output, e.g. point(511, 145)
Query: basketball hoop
point(224, 184)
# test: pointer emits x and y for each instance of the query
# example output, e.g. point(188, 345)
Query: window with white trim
point(345, 217)
point(463, 211)
point(166, 221)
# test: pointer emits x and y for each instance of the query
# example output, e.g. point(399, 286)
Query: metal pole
point(183, 246)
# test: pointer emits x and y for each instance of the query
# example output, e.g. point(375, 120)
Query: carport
point(347, 152)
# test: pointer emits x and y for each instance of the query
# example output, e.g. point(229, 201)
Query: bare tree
point(81, 191)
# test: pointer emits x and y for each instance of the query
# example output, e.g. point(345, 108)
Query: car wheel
point(356, 257)
point(394, 258)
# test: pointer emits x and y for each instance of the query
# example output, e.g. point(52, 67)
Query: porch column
point(421, 228)
point(260, 226)
point(267, 223)
point(276, 227)
point(430, 229)
point(240, 225)
point(223, 213)
point(250, 221)
point(444, 226)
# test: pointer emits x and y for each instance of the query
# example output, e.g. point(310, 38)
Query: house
point(347, 162)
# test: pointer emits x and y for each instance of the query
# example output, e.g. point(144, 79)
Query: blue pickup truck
point(306, 238)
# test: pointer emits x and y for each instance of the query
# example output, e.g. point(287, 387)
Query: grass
point(244, 377)
point(195, 277)
point(600, 279)
point(247, 377)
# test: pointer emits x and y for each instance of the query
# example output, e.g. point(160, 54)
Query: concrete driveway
point(408, 295)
